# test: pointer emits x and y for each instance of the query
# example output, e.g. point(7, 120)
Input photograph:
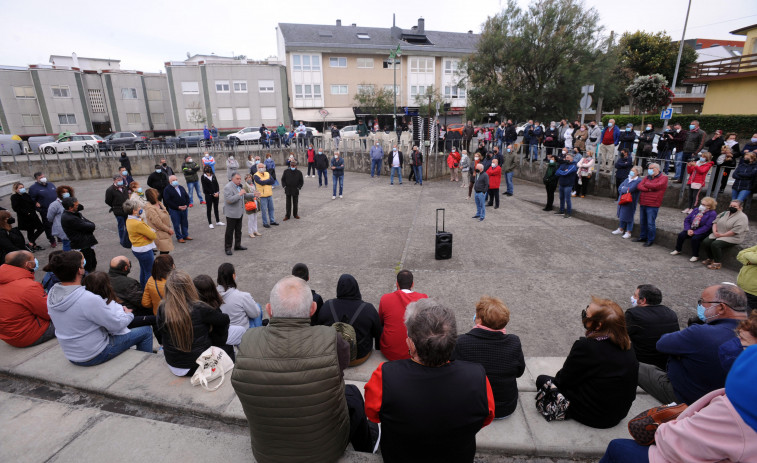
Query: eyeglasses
point(584, 316)
point(702, 301)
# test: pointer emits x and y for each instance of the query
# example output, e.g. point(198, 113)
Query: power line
point(719, 22)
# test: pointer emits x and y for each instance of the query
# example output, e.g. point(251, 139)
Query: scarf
point(503, 330)
point(697, 219)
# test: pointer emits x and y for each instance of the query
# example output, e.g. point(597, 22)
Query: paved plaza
point(544, 267)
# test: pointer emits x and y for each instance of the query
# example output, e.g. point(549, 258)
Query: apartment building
point(327, 65)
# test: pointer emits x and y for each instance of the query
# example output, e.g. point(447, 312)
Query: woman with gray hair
point(431, 408)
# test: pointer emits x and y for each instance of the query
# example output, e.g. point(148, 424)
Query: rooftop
point(744, 30)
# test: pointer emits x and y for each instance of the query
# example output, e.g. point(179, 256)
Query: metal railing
point(720, 67)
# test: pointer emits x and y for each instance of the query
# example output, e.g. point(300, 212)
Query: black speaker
point(443, 244)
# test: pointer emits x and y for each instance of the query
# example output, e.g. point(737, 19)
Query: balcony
point(722, 69)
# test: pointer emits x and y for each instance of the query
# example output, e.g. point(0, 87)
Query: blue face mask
point(650, 171)
point(22, 190)
point(701, 313)
point(125, 173)
point(628, 129)
point(702, 159)
point(157, 171)
point(728, 351)
point(509, 150)
point(691, 127)
point(175, 183)
point(66, 195)
point(36, 265)
point(140, 212)
point(139, 190)
point(293, 168)
point(84, 264)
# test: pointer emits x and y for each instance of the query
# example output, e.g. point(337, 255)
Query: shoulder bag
point(644, 425)
point(625, 198)
point(552, 405)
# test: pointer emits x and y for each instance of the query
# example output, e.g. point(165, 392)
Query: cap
point(629, 125)
point(739, 386)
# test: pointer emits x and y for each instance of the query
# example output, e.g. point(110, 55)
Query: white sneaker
point(211, 226)
point(333, 197)
point(573, 194)
point(618, 231)
point(694, 259)
point(674, 253)
point(220, 223)
point(626, 235)
point(340, 196)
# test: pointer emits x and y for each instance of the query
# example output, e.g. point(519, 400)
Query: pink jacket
point(709, 430)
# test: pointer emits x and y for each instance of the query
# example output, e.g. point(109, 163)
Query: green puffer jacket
point(288, 380)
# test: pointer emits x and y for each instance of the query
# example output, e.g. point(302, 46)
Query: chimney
point(75, 60)
point(470, 32)
point(338, 22)
point(421, 26)
point(354, 24)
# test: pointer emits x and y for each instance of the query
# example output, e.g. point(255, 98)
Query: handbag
point(251, 206)
point(696, 186)
point(644, 425)
point(552, 405)
point(625, 198)
point(214, 363)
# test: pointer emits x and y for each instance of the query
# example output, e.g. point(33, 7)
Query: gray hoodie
point(82, 321)
point(238, 305)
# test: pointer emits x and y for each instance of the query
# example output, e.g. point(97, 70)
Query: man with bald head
point(23, 303)
point(694, 368)
point(128, 290)
point(177, 201)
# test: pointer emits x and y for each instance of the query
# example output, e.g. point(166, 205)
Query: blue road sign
point(666, 113)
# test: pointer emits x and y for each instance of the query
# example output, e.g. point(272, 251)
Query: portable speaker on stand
point(443, 247)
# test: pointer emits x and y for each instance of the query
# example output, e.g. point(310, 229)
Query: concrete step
point(7, 180)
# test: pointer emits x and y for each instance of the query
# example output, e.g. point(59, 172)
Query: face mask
point(139, 190)
point(394, 149)
point(293, 168)
point(22, 190)
point(733, 210)
point(564, 153)
point(336, 156)
point(702, 208)
point(85, 262)
point(702, 159)
point(634, 301)
point(43, 180)
point(700, 313)
point(650, 171)
point(120, 183)
point(678, 130)
point(509, 150)
point(157, 171)
point(628, 129)
point(231, 158)
point(649, 127)
point(754, 140)
point(249, 181)
point(36, 265)
point(728, 351)
point(125, 173)
point(140, 212)
point(609, 124)
point(632, 175)
point(175, 183)
point(691, 127)
point(11, 220)
point(320, 152)
point(551, 161)
point(261, 170)
point(477, 158)
point(190, 159)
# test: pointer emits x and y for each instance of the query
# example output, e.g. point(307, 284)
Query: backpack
point(345, 330)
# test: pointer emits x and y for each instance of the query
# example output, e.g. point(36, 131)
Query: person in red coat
point(453, 162)
point(495, 177)
point(392, 314)
point(697, 176)
point(24, 320)
point(311, 161)
point(652, 189)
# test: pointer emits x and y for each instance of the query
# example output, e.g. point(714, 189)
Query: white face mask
point(634, 301)
point(702, 208)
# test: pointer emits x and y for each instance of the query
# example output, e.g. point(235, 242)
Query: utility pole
point(678, 63)
point(394, 55)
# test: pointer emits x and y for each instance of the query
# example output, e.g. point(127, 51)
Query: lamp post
point(678, 62)
point(393, 55)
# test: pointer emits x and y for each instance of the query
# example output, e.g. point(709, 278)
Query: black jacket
point(502, 357)
point(26, 210)
point(417, 158)
point(626, 140)
point(173, 200)
point(158, 181)
point(390, 157)
point(321, 161)
point(129, 291)
point(78, 229)
point(645, 326)
point(125, 162)
point(510, 134)
point(292, 181)
point(204, 318)
point(348, 299)
point(209, 187)
point(646, 140)
point(11, 240)
point(115, 198)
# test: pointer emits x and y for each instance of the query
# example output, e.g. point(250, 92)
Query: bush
point(744, 126)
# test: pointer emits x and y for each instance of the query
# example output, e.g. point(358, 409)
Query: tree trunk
point(598, 114)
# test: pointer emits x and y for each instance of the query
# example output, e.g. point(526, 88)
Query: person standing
point(124, 161)
point(694, 143)
point(417, 160)
point(80, 231)
point(608, 141)
point(468, 133)
point(622, 168)
point(311, 162)
point(336, 136)
point(644, 148)
point(697, 177)
point(190, 169)
point(212, 190)
point(397, 162)
point(270, 167)
point(567, 174)
point(337, 173)
point(594, 135)
point(322, 165)
point(177, 202)
point(213, 132)
point(536, 134)
point(156, 216)
point(585, 171)
point(362, 132)
point(24, 207)
point(142, 239)
point(43, 194)
point(232, 165)
point(652, 189)
point(264, 184)
point(281, 131)
point(550, 181)
point(377, 157)
point(158, 180)
point(508, 169)
point(495, 177)
point(481, 186)
point(627, 138)
point(234, 196)
point(115, 196)
point(252, 214)
point(206, 136)
point(292, 182)
point(626, 211)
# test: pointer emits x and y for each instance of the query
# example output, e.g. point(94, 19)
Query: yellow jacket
point(140, 234)
point(747, 279)
point(152, 295)
point(265, 190)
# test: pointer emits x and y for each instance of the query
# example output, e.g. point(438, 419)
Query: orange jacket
point(23, 307)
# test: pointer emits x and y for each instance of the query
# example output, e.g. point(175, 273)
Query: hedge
point(744, 126)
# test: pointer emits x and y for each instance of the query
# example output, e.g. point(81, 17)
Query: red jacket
point(23, 307)
point(311, 155)
point(653, 190)
point(392, 314)
point(698, 174)
point(495, 176)
point(454, 158)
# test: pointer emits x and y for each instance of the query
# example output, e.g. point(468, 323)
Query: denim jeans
point(565, 198)
point(338, 179)
point(376, 164)
point(192, 186)
point(509, 181)
point(534, 149)
point(418, 170)
point(625, 451)
point(145, 265)
point(325, 177)
point(647, 218)
point(66, 245)
point(480, 204)
point(741, 195)
point(121, 222)
point(627, 226)
point(399, 174)
point(180, 223)
point(266, 209)
point(140, 337)
point(679, 165)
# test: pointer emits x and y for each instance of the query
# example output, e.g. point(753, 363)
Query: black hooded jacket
point(348, 299)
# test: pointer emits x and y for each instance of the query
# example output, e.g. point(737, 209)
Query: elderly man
point(693, 144)
point(292, 182)
point(115, 196)
point(396, 160)
point(608, 142)
point(24, 320)
point(177, 201)
point(234, 196)
point(652, 189)
point(309, 415)
point(377, 157)
point(128, 290)
point(481, 187)
point(43, 193)
point(646, 322)
point(694, 368)
point(264, 184)
point(430, 408)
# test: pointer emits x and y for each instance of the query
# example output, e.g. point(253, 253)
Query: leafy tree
point(533, 62)
point(643, 53)
point(650, 93)
point(195, 115)
point(379, 101)
point(433, 96)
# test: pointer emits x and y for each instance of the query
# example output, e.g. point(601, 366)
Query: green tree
point(379, 101)
point(650, 93)
point(533, 62)
point(643, 53)
point(428, 101)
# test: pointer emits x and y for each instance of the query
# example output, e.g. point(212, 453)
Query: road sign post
point(586, 100)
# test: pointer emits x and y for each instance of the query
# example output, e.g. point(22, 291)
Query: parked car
point(458, 128)
point(246, 135)
point(314, 131)
point(74, 142)
point(188, 138)
point(349, 131)
point(123, 140)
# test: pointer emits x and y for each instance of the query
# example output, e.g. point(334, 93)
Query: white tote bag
point(214, 363)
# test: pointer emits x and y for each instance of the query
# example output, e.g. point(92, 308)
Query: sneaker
point(53, 244)
point(694, 259)
point(257, 234)
point(203, 202)
point(674, 253)
point(333, 197)
point(211, 226)
point(220, 223)
point(618, 231)
point(573, 194)
point(340, 196)
point(626, 235)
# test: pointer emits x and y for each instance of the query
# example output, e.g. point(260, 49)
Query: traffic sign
point(587, 89)
point(586, 102)
point(666, 113)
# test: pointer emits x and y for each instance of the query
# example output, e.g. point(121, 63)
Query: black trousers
point(494, 197)
point(583, 188)
point(696, 241)
point(211, 202)
point(360, 432)
point(551, 187)
point(32, 235)
point(48, 226)
point(233, 232)
point(311, 167)
point(91, 258)
point(292, 201)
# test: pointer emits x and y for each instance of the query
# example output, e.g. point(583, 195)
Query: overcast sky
point(145, 34)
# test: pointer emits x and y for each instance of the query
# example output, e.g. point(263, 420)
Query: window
point(129, 93)
point(316, 91)
point(222, 86)
point(225, 114)
point(190, 88)
point(265, 86)
point(416, 90)
point(133, 118)
point(31, 119)
point(96, 100)
point(268, 113)
point(305, 62)
point(676, 109)
point(158, 118)
point(240, 86)
point(454, 92)
point(308, 91)
point(316, 60)
point(363, 36)
point(339, 90)
point(61, 91)
point(366, 88)
point(24, 92)
point(154, 95)
point(392, 88)
point(365, 63)
point(243, 114)
point(338, 62)
point(625, 109)
point(298, 91)
point(67, 119)
point(296, 63)
point(451, 67)
point(421, 65)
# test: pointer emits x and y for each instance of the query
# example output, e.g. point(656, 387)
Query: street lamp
point(393, 55)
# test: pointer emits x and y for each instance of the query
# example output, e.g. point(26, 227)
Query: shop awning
point(333, 114)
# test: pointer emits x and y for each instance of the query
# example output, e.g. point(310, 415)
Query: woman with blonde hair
point(697, 226)
point(188, 326)
point(137, 194)
point(142, 239)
